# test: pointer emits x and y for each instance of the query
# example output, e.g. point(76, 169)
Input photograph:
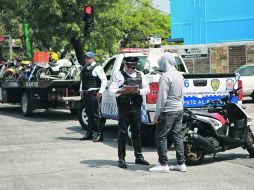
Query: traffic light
point(88, 19)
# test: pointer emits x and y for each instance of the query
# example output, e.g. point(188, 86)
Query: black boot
point(121, 150)
point(138, 151)
point(99, 135)
point(140, 159)
point(89, 132)
point(122, 163)
point(88, 136)
point(98, 138)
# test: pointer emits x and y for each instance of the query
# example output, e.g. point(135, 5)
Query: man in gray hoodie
point(169, 114)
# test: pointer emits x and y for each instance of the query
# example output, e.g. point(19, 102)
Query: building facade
point(212, 21)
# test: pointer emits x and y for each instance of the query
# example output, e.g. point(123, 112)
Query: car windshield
point(141, 63)
point(245, 71)
point(152, 64)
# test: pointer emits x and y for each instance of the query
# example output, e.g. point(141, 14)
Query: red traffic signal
point(88, 10)
point(88, 19)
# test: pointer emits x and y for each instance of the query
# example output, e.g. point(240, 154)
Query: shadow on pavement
point(222, 157)
point(102, 163)
point(50, 115)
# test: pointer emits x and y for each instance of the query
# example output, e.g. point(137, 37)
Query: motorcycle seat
point(53, 64)
point(212, 115)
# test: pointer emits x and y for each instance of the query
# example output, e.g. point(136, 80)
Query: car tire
point(82, 117)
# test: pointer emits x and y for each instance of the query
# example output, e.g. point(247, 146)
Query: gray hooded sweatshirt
point(170, 96)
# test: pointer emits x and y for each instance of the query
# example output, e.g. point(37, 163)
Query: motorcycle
point(14, 69)
point(61, 69)
point(223, 127)
point(3, 67)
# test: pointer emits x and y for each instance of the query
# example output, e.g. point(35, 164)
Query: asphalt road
point(44, 152)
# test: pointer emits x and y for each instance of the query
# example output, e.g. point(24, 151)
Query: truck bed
point(40, 84)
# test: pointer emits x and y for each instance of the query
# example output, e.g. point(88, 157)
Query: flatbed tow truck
point(45, 94)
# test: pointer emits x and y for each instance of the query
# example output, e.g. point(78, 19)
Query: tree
point(59, 24)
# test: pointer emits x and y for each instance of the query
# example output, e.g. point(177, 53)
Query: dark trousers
point(170, 122)
point(91, 105)
point(129, 115)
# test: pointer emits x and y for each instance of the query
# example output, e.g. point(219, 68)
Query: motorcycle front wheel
point(76, 74)
point(63, 73)
point(193, 154)
point(250, 143)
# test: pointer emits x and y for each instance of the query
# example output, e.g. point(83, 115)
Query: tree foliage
point(57, 24)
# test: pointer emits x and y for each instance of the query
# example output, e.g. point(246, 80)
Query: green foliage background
point(57, 24)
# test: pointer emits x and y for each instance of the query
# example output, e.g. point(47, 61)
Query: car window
point(179, 64)
point(108, 68)
point(245, 71)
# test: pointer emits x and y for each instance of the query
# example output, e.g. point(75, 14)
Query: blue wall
point(212, 21)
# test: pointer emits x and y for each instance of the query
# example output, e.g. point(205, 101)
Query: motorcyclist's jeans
point(170, 122)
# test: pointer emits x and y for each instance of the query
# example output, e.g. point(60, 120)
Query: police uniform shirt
point(97, 71)
point(118, 81)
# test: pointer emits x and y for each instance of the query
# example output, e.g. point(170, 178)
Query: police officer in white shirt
point(93, 83)
point(128, 86)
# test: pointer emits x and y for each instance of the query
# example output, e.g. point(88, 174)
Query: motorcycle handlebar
point(224, 99)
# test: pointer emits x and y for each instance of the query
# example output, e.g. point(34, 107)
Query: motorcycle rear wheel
point(250, 143)
point(193, 155)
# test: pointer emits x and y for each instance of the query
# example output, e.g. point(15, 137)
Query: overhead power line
point(151, 7)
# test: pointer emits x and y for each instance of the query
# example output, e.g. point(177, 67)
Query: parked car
point(247, 76)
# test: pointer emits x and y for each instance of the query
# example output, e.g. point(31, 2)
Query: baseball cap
point(90, 54)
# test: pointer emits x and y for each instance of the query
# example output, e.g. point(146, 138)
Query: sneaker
point(159, 168)
point(180, 168)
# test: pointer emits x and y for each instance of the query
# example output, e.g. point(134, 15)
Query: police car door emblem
point(215, 83)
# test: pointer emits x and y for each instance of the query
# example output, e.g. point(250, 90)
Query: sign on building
point(199, 52)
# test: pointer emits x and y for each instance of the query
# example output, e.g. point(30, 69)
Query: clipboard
point(126, 89)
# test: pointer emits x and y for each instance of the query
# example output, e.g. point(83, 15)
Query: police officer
point(93, 83)
point(129, 86)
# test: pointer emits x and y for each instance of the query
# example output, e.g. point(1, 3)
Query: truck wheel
point(193, 155)
point(82, 117)
point(26, 104)
point(250, 143)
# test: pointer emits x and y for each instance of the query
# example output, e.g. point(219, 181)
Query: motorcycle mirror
point(237, 76)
